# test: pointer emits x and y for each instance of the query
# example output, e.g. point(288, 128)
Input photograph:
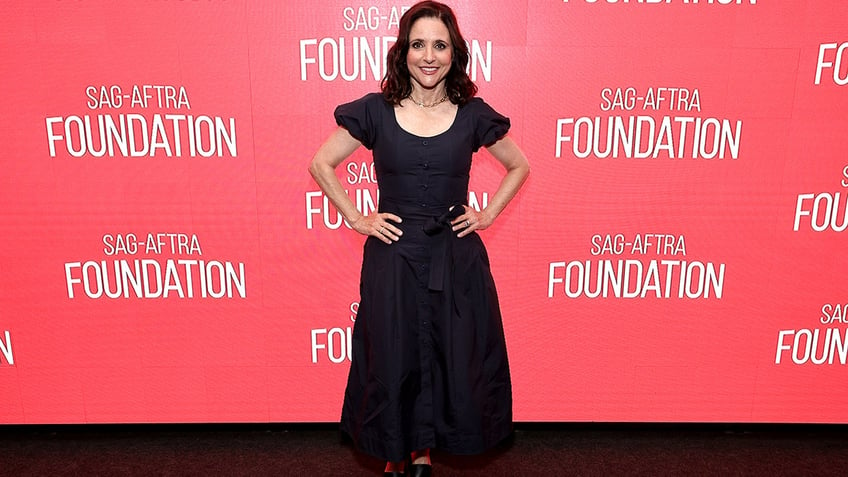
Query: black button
point(424, 142)
point(426, 165)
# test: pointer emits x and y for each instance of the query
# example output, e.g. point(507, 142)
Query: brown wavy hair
point(397, 86)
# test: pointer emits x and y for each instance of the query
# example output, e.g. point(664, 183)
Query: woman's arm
point(517, 169)
point(338, 147)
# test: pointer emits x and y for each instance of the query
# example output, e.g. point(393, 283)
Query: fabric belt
point(440, 228)
point(436, 226)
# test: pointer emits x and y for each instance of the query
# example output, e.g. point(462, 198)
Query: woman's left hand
point(470, 221)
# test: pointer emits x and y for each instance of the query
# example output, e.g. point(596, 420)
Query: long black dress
point(429, 364)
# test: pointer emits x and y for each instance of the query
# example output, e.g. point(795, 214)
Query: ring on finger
point(381, 230)
point(467, 223)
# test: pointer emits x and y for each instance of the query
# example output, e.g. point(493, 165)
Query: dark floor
point(535, 449)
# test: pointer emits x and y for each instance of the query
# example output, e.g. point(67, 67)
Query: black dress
point(429, 364)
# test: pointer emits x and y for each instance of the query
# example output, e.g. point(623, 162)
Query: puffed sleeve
point(489, 125)
point(359, 118)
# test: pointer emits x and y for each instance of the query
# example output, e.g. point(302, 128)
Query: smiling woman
point(429, 365)
point(429, 57)
point(428, 360)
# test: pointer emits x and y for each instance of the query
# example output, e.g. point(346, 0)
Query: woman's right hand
point(379, 225)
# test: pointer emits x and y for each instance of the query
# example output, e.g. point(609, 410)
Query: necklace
point(422, 105)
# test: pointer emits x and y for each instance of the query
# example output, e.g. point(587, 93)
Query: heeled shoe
point(420, 470)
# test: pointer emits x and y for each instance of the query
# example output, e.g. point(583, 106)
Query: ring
point(381, 230)
point(467, 223)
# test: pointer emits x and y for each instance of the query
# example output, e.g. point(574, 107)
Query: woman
point(429, 366)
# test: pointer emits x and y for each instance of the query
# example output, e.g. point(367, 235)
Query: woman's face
point(430, 53)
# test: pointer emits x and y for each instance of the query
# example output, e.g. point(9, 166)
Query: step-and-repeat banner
point(676, 255)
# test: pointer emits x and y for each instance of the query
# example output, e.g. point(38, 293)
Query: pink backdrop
point(675, 256)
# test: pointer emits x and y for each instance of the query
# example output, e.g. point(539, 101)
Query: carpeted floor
point(319, 450)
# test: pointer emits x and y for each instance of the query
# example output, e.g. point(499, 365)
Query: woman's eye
point(416, 44)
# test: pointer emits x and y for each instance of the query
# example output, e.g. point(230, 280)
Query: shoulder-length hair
point(396, 85)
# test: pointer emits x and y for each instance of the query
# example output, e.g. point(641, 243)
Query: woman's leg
point(398, 467)
point(421, 464)
point(421, 457)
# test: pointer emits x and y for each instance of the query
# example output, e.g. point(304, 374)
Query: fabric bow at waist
point(436, 226)
point(440, 227)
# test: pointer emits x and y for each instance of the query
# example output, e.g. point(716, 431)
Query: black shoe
point(420, 470)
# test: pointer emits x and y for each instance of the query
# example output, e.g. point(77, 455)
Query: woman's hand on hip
point(379, 225)
point(470, 221)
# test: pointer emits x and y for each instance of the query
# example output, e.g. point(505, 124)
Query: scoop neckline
point(394, 117)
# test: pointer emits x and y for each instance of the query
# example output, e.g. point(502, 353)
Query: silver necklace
point(422, 105)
